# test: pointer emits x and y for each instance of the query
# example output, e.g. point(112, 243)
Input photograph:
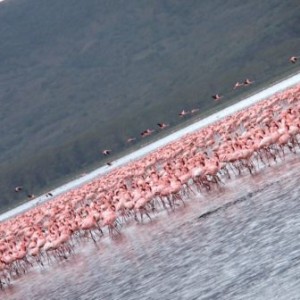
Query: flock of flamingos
point(200, 162)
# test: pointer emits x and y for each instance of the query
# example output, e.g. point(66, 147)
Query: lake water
point(238, 242)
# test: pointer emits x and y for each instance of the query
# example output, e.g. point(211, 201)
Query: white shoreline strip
point(273, 89)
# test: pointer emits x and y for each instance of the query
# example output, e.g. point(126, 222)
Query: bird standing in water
point(216, 97)
point(106, 152)
point(183, 113)
point(294, 59)
point(18, 189)
point(162, 125)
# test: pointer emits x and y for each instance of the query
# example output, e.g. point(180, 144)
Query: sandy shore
point(261, 95)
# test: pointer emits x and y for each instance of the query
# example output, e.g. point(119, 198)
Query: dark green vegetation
point(77, 77)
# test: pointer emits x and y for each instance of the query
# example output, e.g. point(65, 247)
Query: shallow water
point(245, 245)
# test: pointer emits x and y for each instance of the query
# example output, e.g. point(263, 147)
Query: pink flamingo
point(183, 113)
point(130, 140)
point(293, 59)
point(147, 132)
point(162, 125)
point(217, 97)
point(18, 189)
point(237, 85)
point(248, 82)
point(106, 152)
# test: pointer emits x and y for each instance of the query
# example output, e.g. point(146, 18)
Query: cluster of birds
point(183, 113)
point(19, 189)
point(242, 143)
point(237, 85)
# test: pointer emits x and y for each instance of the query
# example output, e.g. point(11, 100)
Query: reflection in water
point(240, 242)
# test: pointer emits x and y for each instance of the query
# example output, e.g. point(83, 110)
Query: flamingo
point(216, 97)
point(183, 113)
point(147, 132)
point(248, 81)
point(106, 152)
point(18, 189)
point(162, 125)
point(293, 59)
point(255, 135)
point(237, 85)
